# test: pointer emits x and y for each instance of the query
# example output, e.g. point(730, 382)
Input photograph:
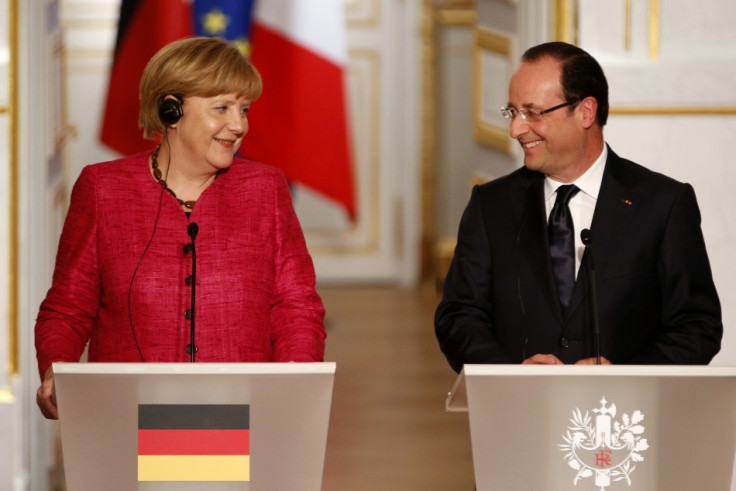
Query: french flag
point(300, 122)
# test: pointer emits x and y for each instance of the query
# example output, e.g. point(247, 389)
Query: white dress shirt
point(582, 205)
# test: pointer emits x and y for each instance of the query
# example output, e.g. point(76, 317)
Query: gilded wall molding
point(627, 25)
point(456, 16)
point(435, 16)
point(486, 130)
point(565, 23)
point(565, 20)
point(653, 29)
point(362, 13)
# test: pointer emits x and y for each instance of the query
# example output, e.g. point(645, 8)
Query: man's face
point(553, 143)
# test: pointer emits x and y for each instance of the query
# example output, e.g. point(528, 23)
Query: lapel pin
point(626, 202)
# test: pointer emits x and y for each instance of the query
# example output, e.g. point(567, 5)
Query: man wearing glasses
point(519, 289)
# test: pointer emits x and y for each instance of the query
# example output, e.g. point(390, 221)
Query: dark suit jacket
point(656, 298)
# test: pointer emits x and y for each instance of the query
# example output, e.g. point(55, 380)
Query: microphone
point(193, 230)
point(587, 239)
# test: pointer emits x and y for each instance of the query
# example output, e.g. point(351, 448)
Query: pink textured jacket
point(255, 291)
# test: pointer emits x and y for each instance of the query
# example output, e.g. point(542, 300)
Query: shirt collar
point(588, 183)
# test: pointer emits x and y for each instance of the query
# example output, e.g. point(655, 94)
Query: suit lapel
point(617, 202)
point(534, 241)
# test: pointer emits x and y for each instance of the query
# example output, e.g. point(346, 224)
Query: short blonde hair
point(195, 66)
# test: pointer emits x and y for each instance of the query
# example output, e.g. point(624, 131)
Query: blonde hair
point(195, 66)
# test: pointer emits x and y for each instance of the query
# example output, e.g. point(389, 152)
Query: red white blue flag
point(299, 124)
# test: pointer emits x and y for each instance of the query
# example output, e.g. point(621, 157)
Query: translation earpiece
point(170, 110)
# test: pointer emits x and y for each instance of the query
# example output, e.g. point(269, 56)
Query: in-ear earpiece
point(170, 110)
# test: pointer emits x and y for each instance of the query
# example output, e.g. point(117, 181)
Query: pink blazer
point(255, 290)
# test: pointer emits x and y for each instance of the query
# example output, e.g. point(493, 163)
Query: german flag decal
point(196, 442)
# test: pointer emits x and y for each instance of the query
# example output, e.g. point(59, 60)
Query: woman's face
point(212, 128)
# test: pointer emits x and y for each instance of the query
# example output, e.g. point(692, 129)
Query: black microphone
point(586, 237)
point(192, 230)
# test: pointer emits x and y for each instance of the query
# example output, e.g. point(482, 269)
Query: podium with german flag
point(214, 426)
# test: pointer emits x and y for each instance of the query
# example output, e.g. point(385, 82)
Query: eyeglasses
point(530, 114)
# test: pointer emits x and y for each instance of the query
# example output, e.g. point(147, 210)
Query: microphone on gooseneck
point(587, 239)
point(193, 230)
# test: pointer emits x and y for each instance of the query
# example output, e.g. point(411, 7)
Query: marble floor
point(388, 428)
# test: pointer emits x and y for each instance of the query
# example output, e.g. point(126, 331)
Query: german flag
point(193, 442)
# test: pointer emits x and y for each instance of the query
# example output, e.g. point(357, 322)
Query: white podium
point(113, 415)
point(602, 428)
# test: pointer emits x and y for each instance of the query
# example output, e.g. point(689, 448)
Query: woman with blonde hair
point(139, 228)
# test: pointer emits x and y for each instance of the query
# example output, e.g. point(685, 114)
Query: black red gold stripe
point(193, 416)
point(193, 442)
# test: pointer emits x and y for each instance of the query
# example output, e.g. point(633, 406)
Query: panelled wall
point(32, 134)
point(8, 111)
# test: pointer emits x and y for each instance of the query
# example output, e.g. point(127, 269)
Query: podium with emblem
point(599, 428)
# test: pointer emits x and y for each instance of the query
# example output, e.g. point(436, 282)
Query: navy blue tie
point(562, 244)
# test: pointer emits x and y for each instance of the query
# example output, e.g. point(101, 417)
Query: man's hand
point(593, 361)
point(540, 359)
point(46, 396)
